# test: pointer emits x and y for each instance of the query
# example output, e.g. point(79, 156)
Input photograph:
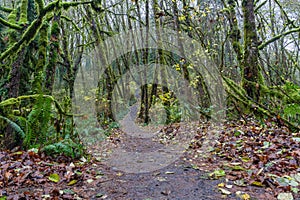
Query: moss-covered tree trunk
point(53, 54)
point(42, 59)
point(250, 66)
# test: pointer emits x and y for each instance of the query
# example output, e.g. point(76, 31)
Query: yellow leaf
point(243, 196)
point(181, 18)
point(54, 178)
point(119, 174)
point(257, 183)
point(221, 184)
point(72, 182)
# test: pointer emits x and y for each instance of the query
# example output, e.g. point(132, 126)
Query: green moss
point(42, 56)
point(5, 9)
point(23, 12)
point(31, 11)
point(12, 17)
point(55, 30)
point(26, 38)
point(53, 54)
point(40, 4)
point(10, 25)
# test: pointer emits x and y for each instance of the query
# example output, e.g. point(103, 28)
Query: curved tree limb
point(10, 25)
point(40, 4)
point(5, 9)
point(277, 37)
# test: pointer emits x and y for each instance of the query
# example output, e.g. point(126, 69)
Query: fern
point(26, 126)
point(292, 112)
point(39, 120)
point(14, 125)
point(66, 147)
point(43, 123)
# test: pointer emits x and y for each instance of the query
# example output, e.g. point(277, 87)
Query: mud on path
point(176, 181)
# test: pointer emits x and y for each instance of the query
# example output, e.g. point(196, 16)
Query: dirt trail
point(147, 169)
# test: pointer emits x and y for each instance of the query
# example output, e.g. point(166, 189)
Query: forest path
point(145, 168)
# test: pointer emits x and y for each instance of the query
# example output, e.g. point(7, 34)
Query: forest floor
point(182, 161)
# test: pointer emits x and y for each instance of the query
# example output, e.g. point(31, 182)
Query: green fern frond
point(14, 125)
point(26, 126)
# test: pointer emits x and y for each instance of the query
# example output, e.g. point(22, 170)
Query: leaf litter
point(251, 161)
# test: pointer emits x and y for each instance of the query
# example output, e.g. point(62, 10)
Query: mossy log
point(240, 95)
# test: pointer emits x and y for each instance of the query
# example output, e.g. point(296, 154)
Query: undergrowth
point(39, 121)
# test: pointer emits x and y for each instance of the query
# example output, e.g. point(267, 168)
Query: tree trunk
point(251, 69)
point(53, 54)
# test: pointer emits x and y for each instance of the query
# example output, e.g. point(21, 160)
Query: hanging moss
point(55, 29)
point(23, 12)
point(12, 19)
point(40, 4)
point(53, 54)
point(31, 11)
point(42, 56)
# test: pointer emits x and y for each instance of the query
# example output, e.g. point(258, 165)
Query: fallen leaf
point(240, 183)
point(54, 178)
point(72, 182)
point(217, 173)
point(242, 195)
point(167, 172)
point(119, 174)
point(89, 180)
point(224, 191)
point(221, 184)
point(285, 196)
point(257, 183)
point(237, 168)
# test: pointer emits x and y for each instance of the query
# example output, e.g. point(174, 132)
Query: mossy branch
point(260, 5)
point(40, 4)
point(67, 5)
point(69, 20)
point(282, 10)
point(10, 25)
point(64, 5)
point(27, 36)
point(16, 101)
point(5, 9)
point(277, 37)
point(234, 91)
point(276, 91)
point(32, 30)
point(23, 10)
